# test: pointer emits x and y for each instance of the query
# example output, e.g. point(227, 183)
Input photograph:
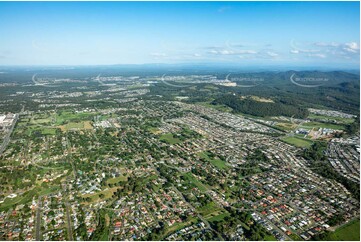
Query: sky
point(244, 33)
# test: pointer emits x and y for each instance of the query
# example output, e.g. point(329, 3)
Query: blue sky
point(245, 33)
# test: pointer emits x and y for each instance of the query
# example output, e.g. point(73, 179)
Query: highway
point(38, 220)
point(70, 230)
point(8, 134)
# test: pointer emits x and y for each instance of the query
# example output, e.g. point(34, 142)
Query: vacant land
point(270, 238)
point(169, 138)
point(216, 162)
point(67, 116)
point(219, 107)
point(48, 131)
point(76, 126)
point(303, 143)
point(115, 180)
point(219, 217)
point(339, 119)
point(197, 183)
point(318, 125)
point(348, 232)
point(208, 209)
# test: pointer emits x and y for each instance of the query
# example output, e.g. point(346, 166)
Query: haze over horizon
point(322, 34)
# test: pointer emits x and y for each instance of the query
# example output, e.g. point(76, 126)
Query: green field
point(76, 125)
point(48, 131)
point(295, 237)
point(219, 107)
point(192, 179)
point(27, 196)
point(322, 125)
point(108, 192)
point(177, 226)
point(169, 138)
point(40, 121)
point(303, 143)
point(30, 129)
point(270, 238)
point(348, 232)
point(339, 119)
point(218, 217)
point(154, 130)
point(67, 116)
point(116, 179)
point(211, 207)
point(216, 162)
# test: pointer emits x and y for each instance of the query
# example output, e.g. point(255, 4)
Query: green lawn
point(105, 235)
point(219, 163)
point(209, 208)
point(270, 238)
point(153, 130)
point(41, 121)
point(169, 138)
point(116, 179)
point(218, 217)
point(45, 191)
point(74, 125)
point(48, 131)
point(295, 237)
point(343, 120)
point(318, 125)
point(348, 232)
point(219, 107)
point(192, 179)
point(178, 226)
point(216, 162)
point(20, 199)
point(69, 116)
point(303, 143)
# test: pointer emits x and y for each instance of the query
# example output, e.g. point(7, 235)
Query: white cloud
point(232, 52)
point(352, 47)
point(324, 44)
point(347, 50)
point(317, 55)
point(158, 54)
point(223, 9)
point(272, 54)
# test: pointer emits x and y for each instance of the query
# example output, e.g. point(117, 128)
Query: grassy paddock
point(218, 217)
point(116, 179)
point(303, 143)
point(339, 119)
point(198, 184)
point(216, 162)
point(347, 232)
point(169, 138)
point(318, 125)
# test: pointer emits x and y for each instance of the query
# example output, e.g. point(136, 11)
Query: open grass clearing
point(318, 125)
point(115, 180)
point(209, 208)
point(189, 176)
point(76, 126)
point(339, 119)
point(108, 192)
point(270, 238)
point(218, 217)
point(347, 232)
point(216, 162)
point(69, 116)
point(298, 142)
point(169, 138)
